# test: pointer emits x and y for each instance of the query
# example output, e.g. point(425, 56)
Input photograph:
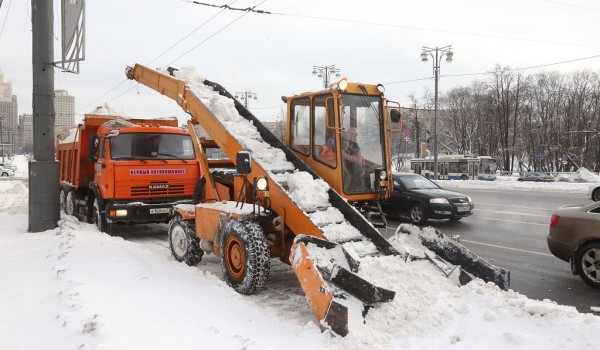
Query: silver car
point(594, 192)
point(6, 171)
point(574, 236)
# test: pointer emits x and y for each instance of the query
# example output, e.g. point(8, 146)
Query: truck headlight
point(439, 201)
point(382, 175)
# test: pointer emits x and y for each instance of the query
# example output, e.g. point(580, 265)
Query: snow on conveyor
point(309, 194)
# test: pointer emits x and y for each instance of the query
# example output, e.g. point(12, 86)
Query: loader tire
point(245, 255)
point(183, 241)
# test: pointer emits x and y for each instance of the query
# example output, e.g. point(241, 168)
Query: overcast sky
point(273, 54)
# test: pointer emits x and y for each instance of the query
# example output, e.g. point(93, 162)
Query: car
point(574, 236)
point(9, 166)
point(537, 177)
point(594, 192)
point(420, 199)
point(5, 171)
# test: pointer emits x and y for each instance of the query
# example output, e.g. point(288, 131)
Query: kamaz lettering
point(134, 172)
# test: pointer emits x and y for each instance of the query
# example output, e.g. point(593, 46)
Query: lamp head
point(424, 55)
point(449, 55)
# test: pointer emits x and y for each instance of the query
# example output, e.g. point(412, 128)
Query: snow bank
point(74, 287)
point(584, 175)
point(510, 183)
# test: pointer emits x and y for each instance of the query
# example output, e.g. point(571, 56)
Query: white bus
point(457, 167)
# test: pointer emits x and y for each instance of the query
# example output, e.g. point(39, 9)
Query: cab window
point(300, 125)
point(324, 143)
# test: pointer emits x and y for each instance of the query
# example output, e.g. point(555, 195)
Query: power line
point(215, 33)
point(488, 72)
point(5, 18)
point(170, 48)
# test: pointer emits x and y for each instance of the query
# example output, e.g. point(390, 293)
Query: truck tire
point(62, 199)
point(183, 241)
point(70, 203)
point(98, 218)
point(245, 256)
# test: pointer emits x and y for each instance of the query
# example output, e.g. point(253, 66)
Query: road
point(509, 229)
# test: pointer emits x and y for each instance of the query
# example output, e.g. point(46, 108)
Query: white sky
point(273, 55)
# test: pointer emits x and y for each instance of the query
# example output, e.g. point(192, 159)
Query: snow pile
point(584, 175)
point(107, 109)
point(74, 287)
point(22, 163)
point(271, 159)
point(507, 183)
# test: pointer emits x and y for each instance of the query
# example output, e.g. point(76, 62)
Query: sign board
point(406, 133)
point(73, 34)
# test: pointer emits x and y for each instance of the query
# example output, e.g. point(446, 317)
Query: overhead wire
point(5, 18)
point(170, 48)
point(572, 5)
point(489, 71)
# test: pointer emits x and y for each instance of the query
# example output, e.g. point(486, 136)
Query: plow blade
point(455, 253)
point(324, 271)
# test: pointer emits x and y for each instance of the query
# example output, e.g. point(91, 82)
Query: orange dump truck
point(126, 171)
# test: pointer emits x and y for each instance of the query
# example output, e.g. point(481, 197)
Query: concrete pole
point(44, 206)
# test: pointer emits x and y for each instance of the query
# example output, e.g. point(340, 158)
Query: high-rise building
point(64, 107)
point(8, 115)
point(25, 138)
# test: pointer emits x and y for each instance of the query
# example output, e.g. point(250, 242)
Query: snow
point(76, 287)
point(511, 183)
point(108, 109)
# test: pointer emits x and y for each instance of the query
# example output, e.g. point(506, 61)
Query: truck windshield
point(151, 146)
point(362, 142)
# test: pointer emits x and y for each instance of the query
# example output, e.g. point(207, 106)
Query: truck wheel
point(98, 218)
point(183, 241)
point(245, 256)
point(62, 199)
point(70, 203)
point(587, 262)
point(417, 214)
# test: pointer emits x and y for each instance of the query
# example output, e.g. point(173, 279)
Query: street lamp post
point(436, 54)
point(245, 96)
point(325, 72)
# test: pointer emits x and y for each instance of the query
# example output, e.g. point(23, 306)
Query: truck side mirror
point(93, 148)
point(243, 162)
point(394, 115)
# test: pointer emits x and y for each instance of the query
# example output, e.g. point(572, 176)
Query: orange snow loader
point(273, 203)
point(126, 171)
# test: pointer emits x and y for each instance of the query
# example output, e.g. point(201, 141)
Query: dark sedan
point(420, 199)
point(537, 177)
point(575, 237)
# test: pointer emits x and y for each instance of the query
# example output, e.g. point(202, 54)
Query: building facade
point(64, 108)
point(8, 116)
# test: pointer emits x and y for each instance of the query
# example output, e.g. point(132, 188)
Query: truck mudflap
point(327, 274)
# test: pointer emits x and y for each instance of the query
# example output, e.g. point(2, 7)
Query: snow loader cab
point(343, 133)
point(271, 201)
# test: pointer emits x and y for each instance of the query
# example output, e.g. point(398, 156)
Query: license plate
point(159, 210)
point(462, 209)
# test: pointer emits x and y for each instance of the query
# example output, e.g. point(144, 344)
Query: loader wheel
point(245, 256)
point(184, 242)
point(98, 218)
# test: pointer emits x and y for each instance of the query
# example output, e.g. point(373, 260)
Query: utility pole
point(44, 206)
